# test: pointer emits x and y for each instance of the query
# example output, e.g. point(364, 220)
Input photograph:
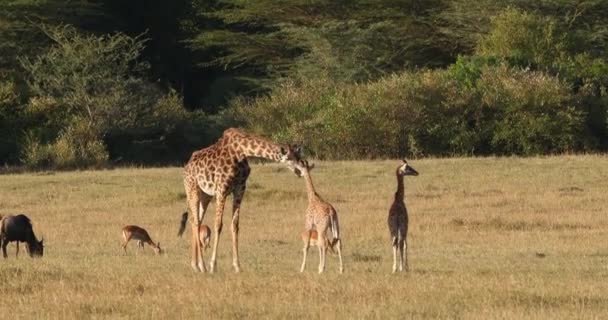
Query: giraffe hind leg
point(339, 249)
point(236, 210)
point(395, 254)
point(203, 205)
point(305, 252)
point(404, 248)
point(193, 195)
point(401, 255)
point(322, 249)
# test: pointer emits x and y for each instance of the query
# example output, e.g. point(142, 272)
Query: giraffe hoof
point(195, 267)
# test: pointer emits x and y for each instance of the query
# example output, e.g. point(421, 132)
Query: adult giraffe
point(220, 170)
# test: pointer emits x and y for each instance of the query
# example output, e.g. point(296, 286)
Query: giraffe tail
point(335, 229)
point(182, 224)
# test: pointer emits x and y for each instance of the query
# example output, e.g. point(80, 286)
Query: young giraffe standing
point(220, 170)
point(398, 219)
point(320, 215)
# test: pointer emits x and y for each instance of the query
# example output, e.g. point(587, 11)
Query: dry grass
point(489, 238)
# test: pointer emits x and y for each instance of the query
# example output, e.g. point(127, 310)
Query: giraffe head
point(302, 168)
point(291, 156)
point(406, 170)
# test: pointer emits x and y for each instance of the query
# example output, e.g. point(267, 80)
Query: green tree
point(86, 87)
point(345, 40)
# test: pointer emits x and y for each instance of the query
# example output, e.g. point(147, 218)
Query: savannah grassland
point(489, 238)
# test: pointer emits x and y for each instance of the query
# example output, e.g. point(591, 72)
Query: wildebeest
point(19, 229)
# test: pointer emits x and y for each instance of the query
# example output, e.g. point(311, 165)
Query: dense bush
point(11, 114)
point(525, 38)
point(347, 80)
point(77, 146)
point(542, 43)
point(477, 109)
point(88, 93)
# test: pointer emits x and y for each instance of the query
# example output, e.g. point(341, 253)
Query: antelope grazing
point(398, 219)
point(204, 235)
point(141, 235)
point(310, 238)
point(322, 216)
point(19, 229)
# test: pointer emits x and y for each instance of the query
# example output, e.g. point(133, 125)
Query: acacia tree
point(263, 41)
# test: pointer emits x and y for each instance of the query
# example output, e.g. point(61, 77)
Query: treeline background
point(93, 83)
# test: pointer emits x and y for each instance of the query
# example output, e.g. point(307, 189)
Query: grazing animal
point(220, 170)
point(204, 231)
point(310, 238)
point(322, 216)
point(19, 229)
point(398, 219)
point(141, 235)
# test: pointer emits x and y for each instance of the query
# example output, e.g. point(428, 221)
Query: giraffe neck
point(400, 189)
point(310, 188)
point(252, 146)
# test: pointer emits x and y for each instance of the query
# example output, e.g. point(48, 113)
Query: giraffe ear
point(404, 161)
point(311, 166)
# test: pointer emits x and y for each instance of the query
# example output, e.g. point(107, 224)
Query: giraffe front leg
point(235, 241)
point(236, 210)
point(219, 213)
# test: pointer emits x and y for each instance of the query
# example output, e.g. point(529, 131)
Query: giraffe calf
point(204, 231)
point(398, 218)
point(321, 217)
point(313, 240)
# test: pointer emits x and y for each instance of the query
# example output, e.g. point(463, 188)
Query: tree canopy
point(167, 76)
